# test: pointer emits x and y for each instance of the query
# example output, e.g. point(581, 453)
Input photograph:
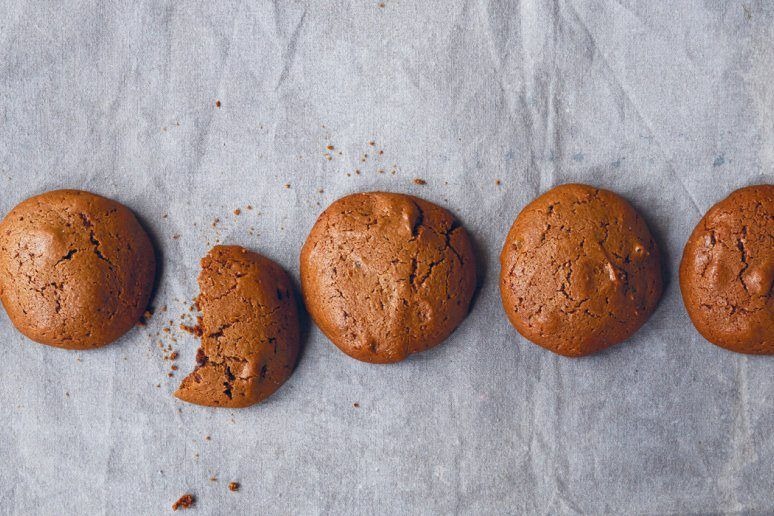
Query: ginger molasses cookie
point(249, 329)
point(76, 269)
point(727, 272)
point(386, 275)
point(579, 271)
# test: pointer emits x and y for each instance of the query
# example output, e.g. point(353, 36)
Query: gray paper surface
point(670, 104)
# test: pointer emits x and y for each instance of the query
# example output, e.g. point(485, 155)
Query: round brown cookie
point(727, 272)
point(249, 330)
point(579, 271)
point(76, 269)
point(386, 275)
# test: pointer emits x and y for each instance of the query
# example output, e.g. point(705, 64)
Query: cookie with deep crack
point(249, 330)
point(727, 272)
point(76, 269)
point(579, 270)
point(385, 275)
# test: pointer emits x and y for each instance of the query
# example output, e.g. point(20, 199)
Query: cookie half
point(249, 330)
point(727, 272)
point(76, 269)
point(385, 275)
point(580, 270)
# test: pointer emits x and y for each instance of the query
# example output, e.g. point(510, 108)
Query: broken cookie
point(249, 330)
point(386, 275)
point(76, 269)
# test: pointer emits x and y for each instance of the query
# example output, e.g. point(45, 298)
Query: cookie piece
point(385, 275)
point(580, 270)
point(727, 272)
point(249, 330)
point(76, 269)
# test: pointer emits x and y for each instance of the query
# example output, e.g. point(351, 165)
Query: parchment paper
point(669, 103)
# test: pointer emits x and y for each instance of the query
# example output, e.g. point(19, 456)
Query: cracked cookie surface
point(76, 269)
point(580, 270)
point(385, 275)
point(249, 330)
point(727, 272)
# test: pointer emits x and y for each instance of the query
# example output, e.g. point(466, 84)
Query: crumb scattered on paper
point(184, 502)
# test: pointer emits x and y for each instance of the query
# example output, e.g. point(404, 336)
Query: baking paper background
point(671, 104)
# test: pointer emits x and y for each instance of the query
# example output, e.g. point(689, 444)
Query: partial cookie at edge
point(76, 269)
point(727, 272)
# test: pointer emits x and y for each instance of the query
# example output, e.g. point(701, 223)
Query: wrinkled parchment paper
point(669, 104)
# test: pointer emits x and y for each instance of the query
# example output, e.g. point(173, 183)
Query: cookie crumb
point(213, 478)
point(498, 182)
point(418, 181)
point(356, 405)
point(287, 185)
point(207, 438)
point(217, 103)
point(237, 212)
point(233, 486)
point(330, 147)
point(185, 502)
point(381, 4)
point(249, 206)
point(193, 330)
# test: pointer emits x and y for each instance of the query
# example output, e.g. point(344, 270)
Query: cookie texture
point(249, 330)
point(385, 275)
point(580, 270)
point(76, 269)
point(727, 272)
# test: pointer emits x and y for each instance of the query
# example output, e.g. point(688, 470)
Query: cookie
point(76, 269)
point(727, 272)
point(249, 329)
point(579, 270)
point(385, 275)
